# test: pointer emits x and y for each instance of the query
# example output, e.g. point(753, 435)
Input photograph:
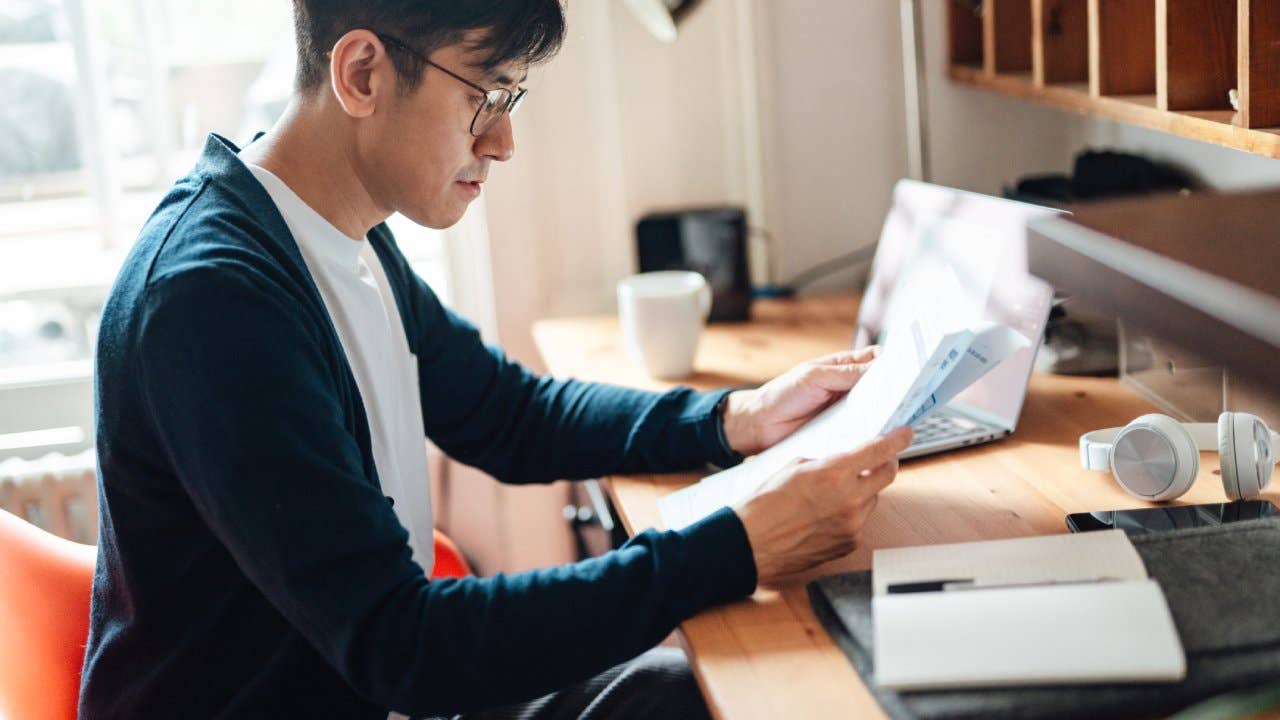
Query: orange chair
point(449, 560)
point(45, 584)
point(44, 620)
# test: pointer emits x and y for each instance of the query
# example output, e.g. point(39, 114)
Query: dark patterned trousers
point(657, 684)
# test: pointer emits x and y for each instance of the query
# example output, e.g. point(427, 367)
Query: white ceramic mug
point(662, 316)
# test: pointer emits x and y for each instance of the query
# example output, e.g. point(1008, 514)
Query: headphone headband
point(1156, 458)
point(1095, 447)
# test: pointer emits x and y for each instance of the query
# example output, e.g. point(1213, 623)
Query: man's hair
point(523, 31)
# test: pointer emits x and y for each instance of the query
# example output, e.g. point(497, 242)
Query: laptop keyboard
point(939, 427)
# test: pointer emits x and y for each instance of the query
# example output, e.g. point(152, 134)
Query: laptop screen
point(979, 242)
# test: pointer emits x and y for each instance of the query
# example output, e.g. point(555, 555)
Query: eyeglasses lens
point(495, 103)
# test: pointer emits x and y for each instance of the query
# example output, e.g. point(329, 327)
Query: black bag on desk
point(1223, 588)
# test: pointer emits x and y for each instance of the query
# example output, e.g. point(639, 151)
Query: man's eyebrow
point(505, 80)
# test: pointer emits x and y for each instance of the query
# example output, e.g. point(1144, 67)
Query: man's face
point(419, 154)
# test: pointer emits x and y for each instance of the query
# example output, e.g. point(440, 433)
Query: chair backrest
point(449, 559)
point(45, 585)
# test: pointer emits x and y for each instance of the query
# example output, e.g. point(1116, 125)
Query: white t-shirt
point(360, 303)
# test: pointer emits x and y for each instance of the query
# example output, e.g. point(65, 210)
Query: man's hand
point(755, 420)
point(811, 511)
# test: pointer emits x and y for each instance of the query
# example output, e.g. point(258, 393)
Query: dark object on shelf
point(1103, 174)
point(711, 241)
point(1053, 189)
point(1108, 174)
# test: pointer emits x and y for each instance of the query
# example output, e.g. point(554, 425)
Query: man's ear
point(360, 73)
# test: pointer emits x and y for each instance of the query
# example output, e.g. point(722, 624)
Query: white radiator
point(56, 492)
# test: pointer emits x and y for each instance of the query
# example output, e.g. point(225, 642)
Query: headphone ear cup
point(1245, 445)
point(1154, 458)
point(1267, 455)
point(1227, 455)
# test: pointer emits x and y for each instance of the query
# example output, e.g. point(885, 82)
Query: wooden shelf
point(1168, 65)
point(1259, 62)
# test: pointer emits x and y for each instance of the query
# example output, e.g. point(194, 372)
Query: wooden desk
point(767, 656)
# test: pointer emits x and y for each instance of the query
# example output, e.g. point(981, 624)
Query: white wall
point(837, 140)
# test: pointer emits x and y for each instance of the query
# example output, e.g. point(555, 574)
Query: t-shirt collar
point(329, 243)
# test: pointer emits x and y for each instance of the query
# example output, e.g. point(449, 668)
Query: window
point(109, 103)
point(106, 104)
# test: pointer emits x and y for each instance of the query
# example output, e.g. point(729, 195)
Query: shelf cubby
point(1258, 64)
point(964, 33)
point(1059, 41)
point(1195, 54)
point(1006, 36)
point(1122, 47)
point(1170, 65)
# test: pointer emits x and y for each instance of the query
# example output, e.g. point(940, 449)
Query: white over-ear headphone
point(1156, 457)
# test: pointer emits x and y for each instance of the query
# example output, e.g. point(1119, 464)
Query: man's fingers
point(837, 378)
point(849, 357)
point(874, 453)
point(866, 354)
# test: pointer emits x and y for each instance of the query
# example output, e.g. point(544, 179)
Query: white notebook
point(1060, 609)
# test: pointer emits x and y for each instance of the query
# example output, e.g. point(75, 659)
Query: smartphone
point(1173, 517)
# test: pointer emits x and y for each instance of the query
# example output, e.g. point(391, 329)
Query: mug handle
point(704, 301)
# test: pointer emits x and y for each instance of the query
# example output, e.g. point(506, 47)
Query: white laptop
point(982, 240)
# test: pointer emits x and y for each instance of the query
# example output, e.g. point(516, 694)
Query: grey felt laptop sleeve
point(1223, 588)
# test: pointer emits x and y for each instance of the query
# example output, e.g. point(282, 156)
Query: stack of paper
point(918, 370)
point(1031, 611)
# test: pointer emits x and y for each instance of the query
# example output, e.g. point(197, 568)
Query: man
point(268, 366)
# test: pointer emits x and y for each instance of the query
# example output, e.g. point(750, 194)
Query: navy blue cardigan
point(249, 563)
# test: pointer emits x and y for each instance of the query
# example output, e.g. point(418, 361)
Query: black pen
point(924, 586)
point(952, 584)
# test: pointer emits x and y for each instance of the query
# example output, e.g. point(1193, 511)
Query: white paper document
point(1033, 611)
point(917, 370)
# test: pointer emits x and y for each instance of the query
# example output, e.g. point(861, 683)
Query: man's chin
point(438, 219)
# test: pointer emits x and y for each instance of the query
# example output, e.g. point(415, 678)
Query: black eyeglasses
point(496, 102)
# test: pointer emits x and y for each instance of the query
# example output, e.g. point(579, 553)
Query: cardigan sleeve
point(240, 391)
point(487, 410)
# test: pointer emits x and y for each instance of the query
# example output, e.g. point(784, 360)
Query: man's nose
point(498, 142)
